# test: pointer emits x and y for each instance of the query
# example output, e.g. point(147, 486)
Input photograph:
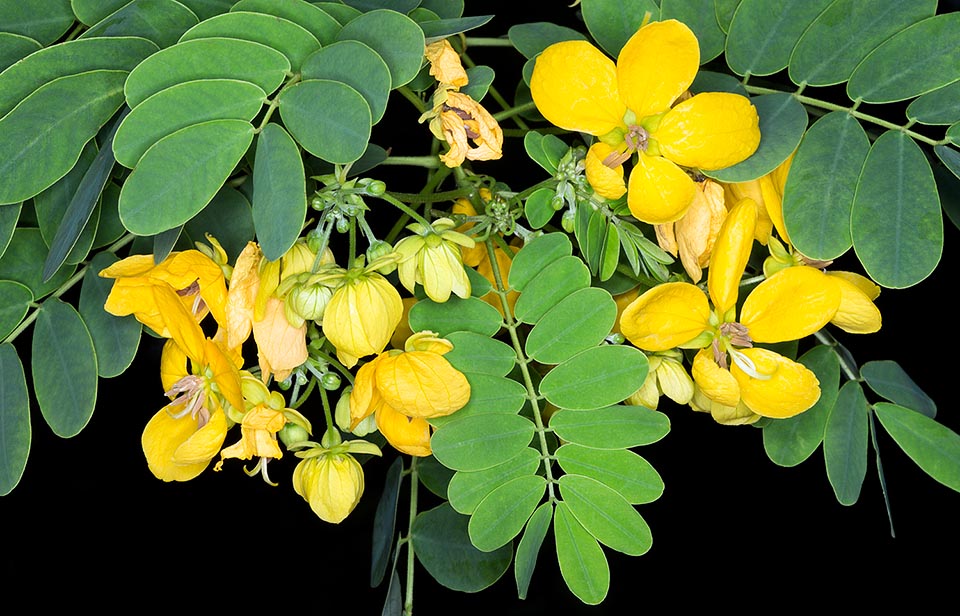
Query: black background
point(91, 525)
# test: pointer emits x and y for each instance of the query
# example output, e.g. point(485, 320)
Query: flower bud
point(331, 483)
point(377, 249)
point(308, 301)
point(567, 221)
point(292, 433)
point(330, 381)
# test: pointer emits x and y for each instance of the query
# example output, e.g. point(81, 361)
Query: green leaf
point(582, 563)
point(950, 157)
point(916, 60)
point(790, 441)
point(723, 10)
point(942, 106)
point(115, 339)
point(442, 28)
point(481, 441)
point(700, 17)
point(845, 443)
point(622, 470)
point(889, 380)
point(205, 9)
point(70, 58)
point(579, 321)
point(160, 21)
point(783, 120)
point(556, 281)
point(180, 106)
point(358, 66)
point(454, 315)
point(446, 9)
point(468, 488)
point(340, 12)
point(287, 37)
point(488, 394)
point(606, 515)
point(229, 215)
point(529, 547)
point(538, 208)
point(948, 185)
point(760, 40)
point(42, 20)
point(23, 262)
point(44, 134)
point(934, 447)
point(531, 144)
point(90, 12)
point(384, 522)
point(821, 185)
point(503, 513)
point(896, 224)
point(709, 81)
point(9, 215)
point(827, 54)
point(404, 6)
point(328, 118)
point(397, 38)
point(64, 368)
point(15, 300)
point(315, 19)
point(530, 39)
point(279, 191)
point(14, 47)
point(595, 378)
point(612, 427)
point(480, 78)
point(212, 58)
point(443, 548)
point(164, 242)
point(434, 476)
point(15, 431)
point(612, 24)
point(537, 255)
point(476, 353)
point(170, 186)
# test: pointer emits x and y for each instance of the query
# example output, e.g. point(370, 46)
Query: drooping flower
point(405, 388)
point(332, 483)
point(631, 107)
point(666, 376)
point(445, 64)
point(431, 257)
point(728, 370)
point(692, 237)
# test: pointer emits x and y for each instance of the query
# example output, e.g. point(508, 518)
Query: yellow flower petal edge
point(714, 382)
point(793, 303)
point(574, 85)
point(730, 255)
point(421, 384)
point(659, 191)
point(606, 182)
point(790, 389)
point(857, 314)
point(656, 65)
point(712, 130)
point(408, 435)
point(666, 316)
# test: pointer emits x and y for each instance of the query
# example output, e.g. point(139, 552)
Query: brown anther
point(192, 289)
point(817, 263)
point(636, 139)
point(719, 355)
point(737, 334)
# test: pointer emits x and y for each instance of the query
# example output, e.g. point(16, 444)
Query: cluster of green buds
point(340, 200)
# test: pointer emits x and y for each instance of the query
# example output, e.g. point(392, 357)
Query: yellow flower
point(630, 107)
point(693, 236)
point(445, 64)
point(362, 315)
point(183, 437)
point(405, 388)
point(432, 258)
point(794, 303)
point(665, 376)
point(332, 483)
point(190, 275)
point(767, 192)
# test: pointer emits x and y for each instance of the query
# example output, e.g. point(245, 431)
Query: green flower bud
point(291, 433)
point(330, 381)
point(567, 221)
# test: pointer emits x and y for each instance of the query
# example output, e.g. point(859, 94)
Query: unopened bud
point(291, 433)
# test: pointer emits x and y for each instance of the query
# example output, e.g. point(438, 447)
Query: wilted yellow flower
point(332, 483)
point(362, 315)
point(630, 107)
point(445, 64)
point(693, 236)
point(405, 388)
point(432, 258)
point(792, 304)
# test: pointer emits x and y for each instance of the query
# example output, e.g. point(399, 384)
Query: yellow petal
point(463, 120)
point(659, 191)
point(178, 323)
point(656, 66)
point(715, 382)
point(257, 431)
point(281, 347)
point(364, 397)
point(224, 373)
point(698, 229)
point(408, 435)
point(712, 130)
point(161, 437)
point(242, 296)
point(793, 303)
point(730, 255)
point(204, 443)
point(173, 364)
point(331, 484)
point(666, 316)
point(773, 205)
point(445, 63)
point(790, 389)
point(134, 265)
point(361, 317)
point(674, 381)
point(606, 182)
point(866, 286)
point(574, 85)
point(421, 384)
point(734, 192)
point(857, 314)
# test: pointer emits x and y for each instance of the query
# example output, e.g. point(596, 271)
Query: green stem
point(512, 111)
point(66, 286)
point(414, 485)
point(333, 362)
point(447, 195)
point(275, 103)
point(486, 41)
point(883, 479)
point(433, 181)
point(403, 207)
point(815, 102)
point(511, 325)
point(411, 96)
point(430, 162)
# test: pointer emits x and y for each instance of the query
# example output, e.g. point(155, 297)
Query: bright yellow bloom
point(362, 315)
point(767, 192)
point(432, 258)
point(332, 483)
point(692, 237)
point(190, 275)
point(792, 304)
point(405, 388)
point(631, 106)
